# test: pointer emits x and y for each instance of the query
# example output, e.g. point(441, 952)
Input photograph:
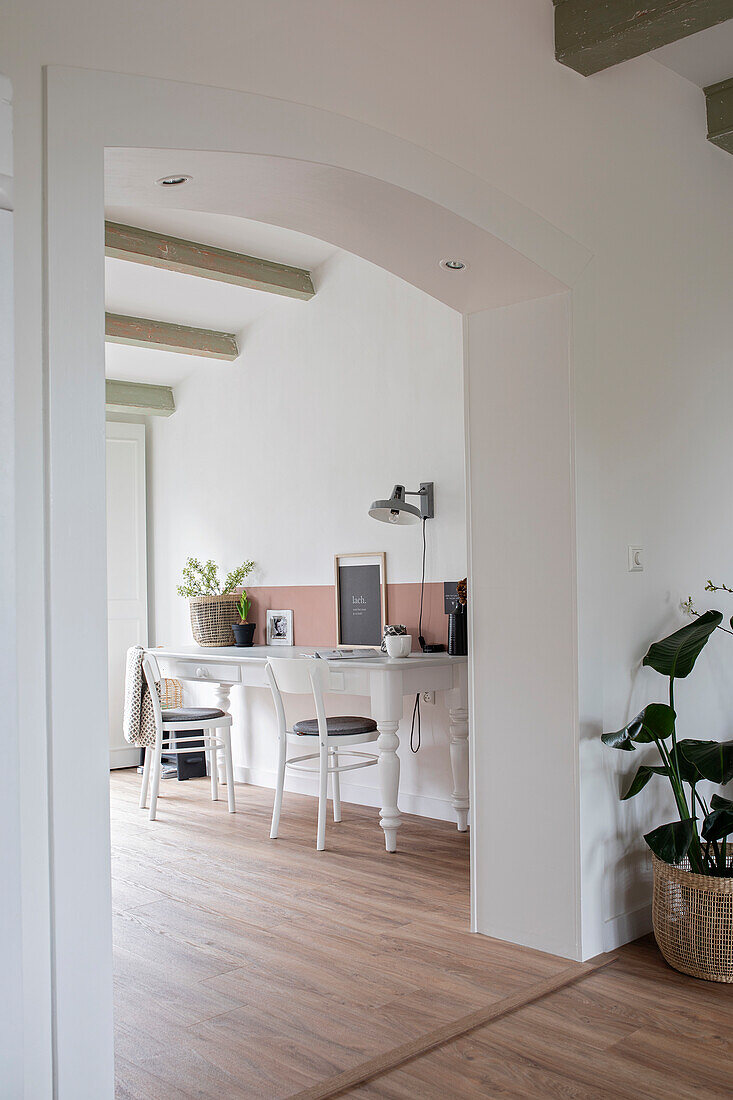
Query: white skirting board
point(124, 758)
point(626, 927)
point(441, 809)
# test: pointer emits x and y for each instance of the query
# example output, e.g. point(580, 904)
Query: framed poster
point(361, 599)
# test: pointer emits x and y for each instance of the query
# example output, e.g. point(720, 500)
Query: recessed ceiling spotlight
point(172, 181)
point(454, 265)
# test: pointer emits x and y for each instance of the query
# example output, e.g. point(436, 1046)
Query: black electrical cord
point(420, 638)
point(415, 741)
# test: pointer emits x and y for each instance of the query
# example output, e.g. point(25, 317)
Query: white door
point(127, 571)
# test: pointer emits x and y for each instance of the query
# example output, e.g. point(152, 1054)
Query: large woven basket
point(212, 618)
point(693, 921)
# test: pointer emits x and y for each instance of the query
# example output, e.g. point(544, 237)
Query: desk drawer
point(203, 671)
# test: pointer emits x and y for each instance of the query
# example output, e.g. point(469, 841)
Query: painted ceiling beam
point(138, 397)
point(591, 35)
point(141, 332)
point(719, 100)
point(142, 246)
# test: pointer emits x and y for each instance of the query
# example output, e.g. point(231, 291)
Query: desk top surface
point(262, 652)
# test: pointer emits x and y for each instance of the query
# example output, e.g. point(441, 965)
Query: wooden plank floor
point(254, 968)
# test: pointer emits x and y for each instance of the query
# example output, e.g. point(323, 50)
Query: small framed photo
point(279, 628)
point(361, 599)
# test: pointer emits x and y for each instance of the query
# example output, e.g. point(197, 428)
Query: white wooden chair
point(185, 721)
point(334, 736)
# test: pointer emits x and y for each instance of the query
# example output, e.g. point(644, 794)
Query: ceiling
point(300, 213)
point(291, 212)
point(142, 291)
point(704, 58)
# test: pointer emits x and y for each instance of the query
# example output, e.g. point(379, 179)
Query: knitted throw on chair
point(138, 720)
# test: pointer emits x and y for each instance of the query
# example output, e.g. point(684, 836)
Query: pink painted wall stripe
point(314, 611)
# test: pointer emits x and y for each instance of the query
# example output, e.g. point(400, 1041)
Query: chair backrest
point(152, 676)
point(299, 676)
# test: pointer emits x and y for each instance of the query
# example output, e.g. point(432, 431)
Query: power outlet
point(428, 697)
point(636, 559)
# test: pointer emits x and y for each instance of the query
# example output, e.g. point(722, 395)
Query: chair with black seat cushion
point(334, 736)
point(175, 729)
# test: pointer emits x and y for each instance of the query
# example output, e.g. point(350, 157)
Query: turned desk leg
point(459, 763)
point(222, 701)
point(389, 782)
point(386, 691)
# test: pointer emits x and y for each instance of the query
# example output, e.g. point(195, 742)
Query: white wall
point(278, 456)
point(525, 778)
point(654, 470)
point(11, 987)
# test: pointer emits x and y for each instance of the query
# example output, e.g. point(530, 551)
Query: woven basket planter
point(212, 618)
point(693, 921)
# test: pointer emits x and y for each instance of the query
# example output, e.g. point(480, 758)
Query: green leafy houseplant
point(685, 763)
point(203, 580)
point(244, 631)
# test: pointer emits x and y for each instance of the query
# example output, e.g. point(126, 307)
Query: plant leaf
point(641, 779)
point(676, 655)
point(688, 771)
point(719, 803)
point(654, 723)
point(713, 759)
point(718, 823)
point(671, 842)
point(618, 740)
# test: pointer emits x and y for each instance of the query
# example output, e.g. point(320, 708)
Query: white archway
point(90, 111)
point(395, 229)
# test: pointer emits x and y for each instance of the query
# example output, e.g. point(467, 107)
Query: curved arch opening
point(396, 229)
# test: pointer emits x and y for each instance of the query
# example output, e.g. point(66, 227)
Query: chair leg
point(146, 777)
point(282, 752)
point(213, 767)
point(226, 737)
point(336, 780)
point(322, 799)
point(156, 766)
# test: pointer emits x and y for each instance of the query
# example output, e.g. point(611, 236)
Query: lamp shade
point(396, 509)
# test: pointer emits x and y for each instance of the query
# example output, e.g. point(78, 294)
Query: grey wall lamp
point(397, 510)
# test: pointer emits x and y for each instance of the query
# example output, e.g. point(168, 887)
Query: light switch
point(636, 559)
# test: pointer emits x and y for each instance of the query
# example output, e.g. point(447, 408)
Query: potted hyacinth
point(244, 631)
point(692, 908)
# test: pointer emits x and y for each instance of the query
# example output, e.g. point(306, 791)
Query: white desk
point(385, 681)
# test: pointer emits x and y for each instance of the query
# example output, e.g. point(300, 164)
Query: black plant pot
point(244, 633)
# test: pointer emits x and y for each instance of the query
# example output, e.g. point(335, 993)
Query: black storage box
point(190, 764)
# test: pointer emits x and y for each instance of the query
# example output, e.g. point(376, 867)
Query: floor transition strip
point(415, 1048)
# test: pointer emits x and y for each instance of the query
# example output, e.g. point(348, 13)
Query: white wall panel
point(522, 550)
